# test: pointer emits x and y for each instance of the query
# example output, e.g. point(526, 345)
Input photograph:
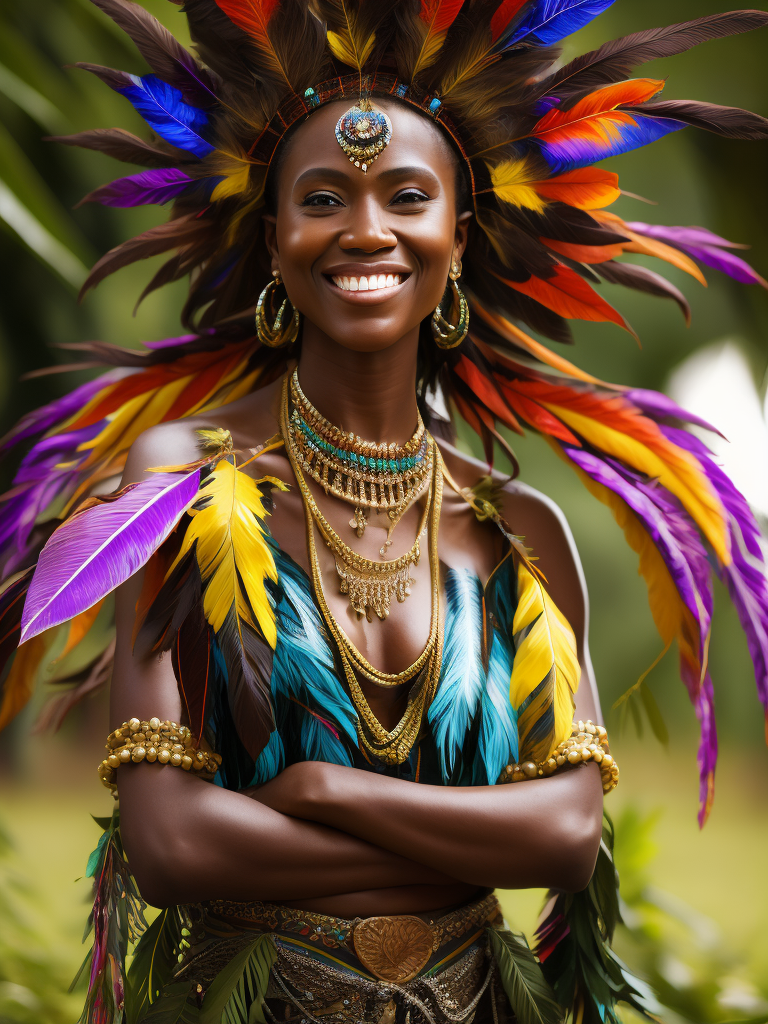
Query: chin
point(365, 335)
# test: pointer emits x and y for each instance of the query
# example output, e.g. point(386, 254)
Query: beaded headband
point(351, 130)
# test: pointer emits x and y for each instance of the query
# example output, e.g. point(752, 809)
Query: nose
point(367, 229)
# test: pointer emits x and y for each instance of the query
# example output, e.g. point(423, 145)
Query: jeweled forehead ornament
point(363, 133)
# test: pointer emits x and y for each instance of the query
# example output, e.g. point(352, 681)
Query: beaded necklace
point(369, 475)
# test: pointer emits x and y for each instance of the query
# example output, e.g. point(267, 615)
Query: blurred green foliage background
point(695, 908)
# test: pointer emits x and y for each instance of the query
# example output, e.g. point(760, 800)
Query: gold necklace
point(369, 475)
point(390, 747)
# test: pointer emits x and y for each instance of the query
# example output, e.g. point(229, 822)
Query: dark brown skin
point(321, 836)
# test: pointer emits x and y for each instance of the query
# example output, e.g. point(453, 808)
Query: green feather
point(528, 991)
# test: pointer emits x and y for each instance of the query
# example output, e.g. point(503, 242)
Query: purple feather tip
point(705, 246)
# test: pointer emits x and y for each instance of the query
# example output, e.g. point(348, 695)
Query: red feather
point(505, 12)
point(439, 14)
point(569, 295)
point(253, 17)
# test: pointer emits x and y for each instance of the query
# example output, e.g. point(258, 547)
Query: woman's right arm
point(189, 840)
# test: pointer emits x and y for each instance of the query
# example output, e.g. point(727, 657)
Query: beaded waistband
point(392, 948)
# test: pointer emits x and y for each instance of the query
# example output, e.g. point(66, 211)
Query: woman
point(320, 665)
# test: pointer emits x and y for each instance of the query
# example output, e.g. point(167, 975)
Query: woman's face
point(365, 257)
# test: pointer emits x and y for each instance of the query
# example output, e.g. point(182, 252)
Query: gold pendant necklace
point(388, 746)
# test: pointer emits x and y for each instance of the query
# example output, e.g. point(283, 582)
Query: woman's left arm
point(541, 833)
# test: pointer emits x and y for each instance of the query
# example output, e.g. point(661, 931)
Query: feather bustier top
point(258, 673)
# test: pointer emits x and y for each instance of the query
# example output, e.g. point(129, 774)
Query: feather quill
point(549, 21)
point(435, 18)
point(156, 187)
point(545, 670)
point(253, 17)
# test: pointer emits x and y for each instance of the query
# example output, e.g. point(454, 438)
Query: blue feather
point(304, 670)
point(461, 683)
point(552, 20)
point(163, 108)
point(271, 760)
point(497, 743)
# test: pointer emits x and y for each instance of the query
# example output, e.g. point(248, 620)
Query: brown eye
point(322, 199)
point(410, 195)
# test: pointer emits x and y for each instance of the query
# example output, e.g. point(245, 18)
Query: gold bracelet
point(587, 742)
point(153, 740)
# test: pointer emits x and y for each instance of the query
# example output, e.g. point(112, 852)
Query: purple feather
point(154, 187)
point(660, 407)
point(60, 409)
point(667, 524)
point(747, 576)
point(99, 548)
point(704, 246)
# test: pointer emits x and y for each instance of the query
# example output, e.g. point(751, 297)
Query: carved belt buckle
point(393, 949)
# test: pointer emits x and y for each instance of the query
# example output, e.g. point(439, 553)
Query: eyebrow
point(337, 175)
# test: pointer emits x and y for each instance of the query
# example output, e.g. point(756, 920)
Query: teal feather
point(463, 675)
point(271, 760)
point(497, 741)
point(305, 681)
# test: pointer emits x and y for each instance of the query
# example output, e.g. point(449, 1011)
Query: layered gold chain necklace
point(389, 746)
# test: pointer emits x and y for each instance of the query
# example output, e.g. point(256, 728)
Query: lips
point(368, 283)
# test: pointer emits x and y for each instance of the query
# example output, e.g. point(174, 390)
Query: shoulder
point(251, 421)
point(531, 515)
point(542, 527)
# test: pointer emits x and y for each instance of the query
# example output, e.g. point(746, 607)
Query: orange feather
point(584, 253)
point(588, 188)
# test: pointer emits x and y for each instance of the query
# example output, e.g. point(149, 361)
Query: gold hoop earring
point(278, 333)
point(450, 333)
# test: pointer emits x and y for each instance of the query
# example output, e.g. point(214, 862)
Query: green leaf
point(636, 717)
point(172, 1007)
point(97, 854)
point(528, 991)
point(658, 725)
point(225, 999)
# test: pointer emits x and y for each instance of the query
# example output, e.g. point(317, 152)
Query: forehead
point(416, 142)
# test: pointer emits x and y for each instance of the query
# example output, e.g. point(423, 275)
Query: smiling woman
point(320, 605)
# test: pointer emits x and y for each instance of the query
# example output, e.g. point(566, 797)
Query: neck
point(372, 394)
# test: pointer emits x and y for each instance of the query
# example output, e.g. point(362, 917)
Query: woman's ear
point(462, 232)
point(270, 238)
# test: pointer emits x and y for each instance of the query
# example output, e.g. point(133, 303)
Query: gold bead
point(134, 725)
point(560, 760)
point(530, 769)
point(163, 756)
point(177, 748)
point(597, 755)
point(574, 757)
point(586, 754)
point(139, 737)
point(125, 755)
point(607, 760)
point(154, 724)
point(186, 762)
point(113, 761)
point(151, 754)
point(138, 754)
point(175, 759)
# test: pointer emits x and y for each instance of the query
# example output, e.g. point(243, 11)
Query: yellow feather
point(237, 178)
point(232, 552)
point(349, 50)
point(685, 480)
point(545, 671)
point(514, 181)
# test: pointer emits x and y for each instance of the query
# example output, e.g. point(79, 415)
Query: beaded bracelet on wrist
point(153, 740)
point(587, 742)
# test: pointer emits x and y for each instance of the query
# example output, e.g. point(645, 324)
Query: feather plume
point(254, 18)
point(164, 54)
point(163, 108)
point(351, 29)
point(615, 60)
point(549, 21)
point(504, 15)
point(728, 122)
point(121, 145)
point(644, 280)
point(20, 681)
point(545, 670)
point(703, 245)
point(235, 560)
point(94, 678)
point(648, 246)
point(149, 187)
point(595, 127)
point(435, 18)
point(99, 548)
point(457, 700)
point(569, 295)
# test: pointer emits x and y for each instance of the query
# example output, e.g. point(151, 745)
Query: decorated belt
point(393, 948)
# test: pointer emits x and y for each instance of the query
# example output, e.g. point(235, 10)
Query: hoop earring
point(445, 333)
point(279, 333)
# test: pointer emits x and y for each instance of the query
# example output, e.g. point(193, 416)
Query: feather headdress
point(529, 133)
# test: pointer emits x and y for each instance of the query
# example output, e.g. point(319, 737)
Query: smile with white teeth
point(367, 284)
